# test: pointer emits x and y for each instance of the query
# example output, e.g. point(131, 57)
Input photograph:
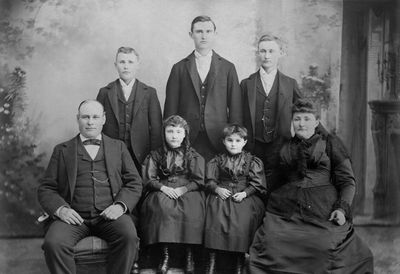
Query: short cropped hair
point(84, 102)
point(127, 50)
point(234, 129)
point(202, 18)
point(271, 37)
point(305, 106)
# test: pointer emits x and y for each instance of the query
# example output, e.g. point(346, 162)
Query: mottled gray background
point(67, 49)
point(74, 45)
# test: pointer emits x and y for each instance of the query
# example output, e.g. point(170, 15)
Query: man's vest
point(266, 110)
point(92, 192)
point(125, 114)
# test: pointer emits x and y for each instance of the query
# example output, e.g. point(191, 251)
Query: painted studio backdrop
point(54, 54)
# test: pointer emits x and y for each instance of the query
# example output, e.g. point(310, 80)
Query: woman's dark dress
point(230, 226)
point(166, 220)
point(296, 235)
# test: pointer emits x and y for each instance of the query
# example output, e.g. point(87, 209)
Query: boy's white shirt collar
point(267, 79)
point(272, 74)
point(208, 55)
point(127, 89)
point(203, 64)
point(130, 85)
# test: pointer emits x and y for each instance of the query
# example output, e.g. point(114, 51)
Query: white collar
point(198, 55)
point(83, 138)
point(272, 74)
point(130, 85)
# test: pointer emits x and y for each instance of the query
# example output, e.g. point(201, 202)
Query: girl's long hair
point(176, 121)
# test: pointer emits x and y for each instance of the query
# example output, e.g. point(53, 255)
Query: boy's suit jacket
point(146, 124)
point(223, 103)
point(288, 93)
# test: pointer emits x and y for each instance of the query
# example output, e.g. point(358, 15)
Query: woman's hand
point(170, 192)
point(337, 216)
point(223, 193)
point(181, 190)
point(238, 197)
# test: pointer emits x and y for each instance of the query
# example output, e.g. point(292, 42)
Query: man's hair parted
point(271, 37)
point(127, 50)
point(202, 18)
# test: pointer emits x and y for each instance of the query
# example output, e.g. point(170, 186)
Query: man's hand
point(338, 217)
point(238, 197)
point(170, 192)
point(181, 190)
point(113, 212)
point(223, 193)
point(70, 216)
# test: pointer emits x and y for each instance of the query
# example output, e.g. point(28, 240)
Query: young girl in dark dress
point(236, 181)
point(173, 209)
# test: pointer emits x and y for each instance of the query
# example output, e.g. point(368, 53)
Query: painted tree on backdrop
point(20, 165)
point(317, 87)
point(25, 27)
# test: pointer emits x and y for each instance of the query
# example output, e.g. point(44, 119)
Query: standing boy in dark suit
point(89, 188)
point(132, 108)
point(204, 89)
point(268, 96)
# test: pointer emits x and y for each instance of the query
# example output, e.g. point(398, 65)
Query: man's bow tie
point(95, 142)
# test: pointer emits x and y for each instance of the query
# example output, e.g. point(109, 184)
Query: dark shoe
point(164, 265)
point(210, 268)
point(189, 269)
point(145, 259)
point(239, 264)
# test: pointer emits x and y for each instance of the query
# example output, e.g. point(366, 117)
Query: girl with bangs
point(235, 208)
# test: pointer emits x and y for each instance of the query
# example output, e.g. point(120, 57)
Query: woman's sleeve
point(256, 178)
point(196, 169)
point(151, 181)
point(342, 175)
point(212, 175)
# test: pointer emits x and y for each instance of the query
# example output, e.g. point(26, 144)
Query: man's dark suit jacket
point(288, 93)
point(223, 104)
point(57, 186)
point(146, 124)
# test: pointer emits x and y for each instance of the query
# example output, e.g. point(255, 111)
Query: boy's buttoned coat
point(146, 126)
point(223, 103)
point(288, 93)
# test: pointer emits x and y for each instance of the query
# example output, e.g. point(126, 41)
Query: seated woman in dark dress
point(173, 210)
point(308, 224)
